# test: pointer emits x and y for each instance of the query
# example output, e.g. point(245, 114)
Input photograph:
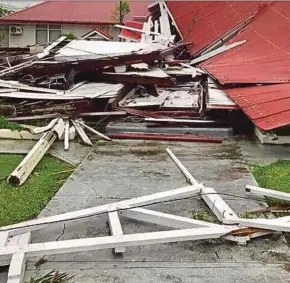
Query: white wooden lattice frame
point(14, 239)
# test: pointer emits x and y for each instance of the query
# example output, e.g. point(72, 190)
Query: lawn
point(275, 176)
point(26, 202)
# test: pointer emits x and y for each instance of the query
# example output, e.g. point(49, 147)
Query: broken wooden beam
point(27, 165)
point(82, 133)
point(66, 135)
point(217, 205)
point(93, 131)
point(258, 191)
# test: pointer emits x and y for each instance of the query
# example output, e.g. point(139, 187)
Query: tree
point(120, 11)
point(4, 11)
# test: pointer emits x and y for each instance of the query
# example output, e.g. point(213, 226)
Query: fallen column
point(27, 165)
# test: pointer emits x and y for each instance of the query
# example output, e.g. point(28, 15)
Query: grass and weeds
point(249, 215)
point(22, 203)
point(275, 176)
point(204, 215)
point(4, 124)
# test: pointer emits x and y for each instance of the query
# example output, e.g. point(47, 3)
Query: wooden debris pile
point(101, 80)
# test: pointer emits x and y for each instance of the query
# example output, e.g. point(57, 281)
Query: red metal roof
point(79, 12)
point(129, 34)
point(267, 106)
point(204, 22)
point(265, 57)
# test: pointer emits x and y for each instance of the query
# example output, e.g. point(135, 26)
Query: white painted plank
point(258, 191)
point(18, 261)
point(219, 207)
point(3, 241)
point(137, 30)
point(47, 50)
point(183, 170)
point(40, 130)
point(216, 52)
point(116, 229)
point(139, 201)
point(267, 224)
point(3, 238)
point(66, 136)
point(88, 244)
point(94, 131)
point(82, 134)
point(165, 219)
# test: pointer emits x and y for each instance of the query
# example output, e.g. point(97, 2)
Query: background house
point(45, 22)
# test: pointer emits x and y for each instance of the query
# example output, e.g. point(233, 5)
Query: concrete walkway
point(121, 170)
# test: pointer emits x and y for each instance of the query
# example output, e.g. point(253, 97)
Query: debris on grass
point(4, 124)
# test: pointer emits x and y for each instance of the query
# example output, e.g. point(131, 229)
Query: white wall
point(26, 38)
point(4, 29)
point(80, 30)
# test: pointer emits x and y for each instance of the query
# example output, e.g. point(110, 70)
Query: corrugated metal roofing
point(265, 57)
point(267, 106)
point(129, 34)
point(204, 22)
point(79, 12)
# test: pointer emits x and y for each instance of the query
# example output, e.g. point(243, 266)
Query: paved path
point(121, 170)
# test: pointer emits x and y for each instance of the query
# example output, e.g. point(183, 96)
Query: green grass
point(4, 124)
point(25, 202)
point(275, 176)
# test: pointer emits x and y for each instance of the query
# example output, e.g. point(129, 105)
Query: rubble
point(147, 89)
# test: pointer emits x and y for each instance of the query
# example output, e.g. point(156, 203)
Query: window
point(47, 33)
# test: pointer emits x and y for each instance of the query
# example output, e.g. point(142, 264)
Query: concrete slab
point(256, 153)
point(120, 170)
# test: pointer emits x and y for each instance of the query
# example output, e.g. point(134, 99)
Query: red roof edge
point(2, 20)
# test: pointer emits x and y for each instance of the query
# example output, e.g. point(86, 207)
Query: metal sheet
point(265, 57)
point(165, 99)
point(267, 106)
point(204, 22)
point(130, 34)
point(100, 90)
point(218, 98)
point(105, 48)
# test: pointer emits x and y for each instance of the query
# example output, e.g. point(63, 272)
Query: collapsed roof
point(263, 58)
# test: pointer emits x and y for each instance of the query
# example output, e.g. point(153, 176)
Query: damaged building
point(182, 70)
